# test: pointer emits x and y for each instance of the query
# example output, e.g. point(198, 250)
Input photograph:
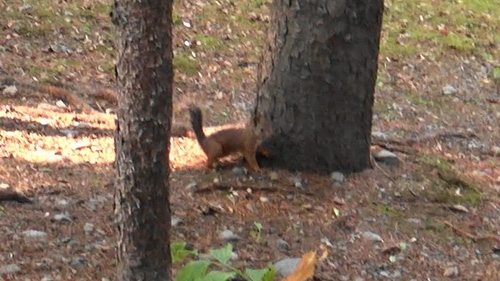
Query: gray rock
point(368, 235)
point(79, 261)
point(47, 278)
point(337, 176)
point(191, 185)
point(380, 135)
point(495, 150)
point(175, 221)
point(10, 91)
point(35, 233)
point(26, 8)
point(239, 172)
point(88, 228)
point(283, 245)
point(451, 271)
point(286, 266)
point(299, 183)
point(449, 90)
point(9, 269)
point(63, 217)
point(274, 176)
point(229, 236)
point(387, 157)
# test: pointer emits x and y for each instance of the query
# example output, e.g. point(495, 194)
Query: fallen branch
point(426, 138)
point(471, 236)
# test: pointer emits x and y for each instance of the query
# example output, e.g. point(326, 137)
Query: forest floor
point(435, 216)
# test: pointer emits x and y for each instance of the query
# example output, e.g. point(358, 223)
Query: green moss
point(209, 42)
point(185, 65)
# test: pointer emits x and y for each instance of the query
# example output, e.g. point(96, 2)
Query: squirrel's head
point(262, 125)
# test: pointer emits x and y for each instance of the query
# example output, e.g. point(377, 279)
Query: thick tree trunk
point(144, 73)
point(317, 82)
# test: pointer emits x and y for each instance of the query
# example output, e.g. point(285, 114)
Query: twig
point(470, 235)
point(383, 171)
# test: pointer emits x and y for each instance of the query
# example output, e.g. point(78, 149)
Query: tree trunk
point(144, 76)
point(317, 82)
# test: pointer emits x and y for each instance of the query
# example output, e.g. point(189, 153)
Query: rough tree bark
point(144, 76)
point(317, 82)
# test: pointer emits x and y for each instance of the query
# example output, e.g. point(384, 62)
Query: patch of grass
point(210, 42)
point(388, 211)
point(41, 72)
point(459, 42)
point(426, 26)
point(450, 186)
point(185, 64)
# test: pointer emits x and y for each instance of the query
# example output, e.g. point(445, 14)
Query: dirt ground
point(435, 216)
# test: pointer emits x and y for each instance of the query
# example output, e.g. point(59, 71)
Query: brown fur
point(222, 143)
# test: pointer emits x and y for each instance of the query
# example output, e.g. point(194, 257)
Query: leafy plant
point(257, 234)
point(198, 270)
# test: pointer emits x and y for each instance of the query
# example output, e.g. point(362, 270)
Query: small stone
point(368, 235)
point(337, 176)
point(274, 176)
point(191, 185)
point(387, 157)
point(286, 266)
point(47, 278)
point(495, 150)
point(176, 221)
point(61, 104)
point(10, 90)
point(9, 269)
point(229, 236)
point(283, 245)
point(78, 261)
point(234, 256)
point(26, 8)
point(35, 233)
point(451, 271)
point(299, 183)
point(238, 172)
point(272, 230)
point(459, 209)
point(88, 228)
point(380, 135)
point(264, 199)
point(62, 203)
point(449, 90)
point(63, 217)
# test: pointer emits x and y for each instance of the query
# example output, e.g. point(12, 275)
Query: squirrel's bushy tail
point(197, 123)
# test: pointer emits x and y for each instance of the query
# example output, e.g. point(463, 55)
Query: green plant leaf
point(258, 225)
point(218, 276)
point(223, 254)
point(193, 271)
point(179, 252)
point(266, 274)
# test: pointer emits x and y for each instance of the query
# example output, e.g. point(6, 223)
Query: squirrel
point(222, 143)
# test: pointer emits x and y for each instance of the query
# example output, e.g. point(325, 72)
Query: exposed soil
point(438, 212)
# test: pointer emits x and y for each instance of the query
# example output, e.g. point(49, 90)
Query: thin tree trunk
point(144, 75)
point(317, 82)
